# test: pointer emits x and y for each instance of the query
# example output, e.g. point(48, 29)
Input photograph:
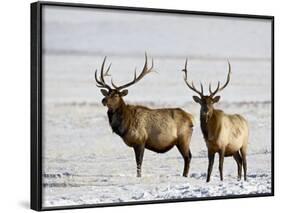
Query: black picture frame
point(36, 101)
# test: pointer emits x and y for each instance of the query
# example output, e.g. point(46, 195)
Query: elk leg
point(221, 156)
point(211, 157)
point(244, 161)
point(139, 150)
point(183, 148)
point(238, 160)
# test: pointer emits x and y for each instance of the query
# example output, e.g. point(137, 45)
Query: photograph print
point(148, 106)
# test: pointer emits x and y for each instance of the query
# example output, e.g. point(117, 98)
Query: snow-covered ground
point(85, 163)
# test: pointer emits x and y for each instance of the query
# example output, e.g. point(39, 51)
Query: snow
point(85, 163)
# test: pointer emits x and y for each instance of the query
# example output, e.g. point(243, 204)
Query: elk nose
point(104, 101)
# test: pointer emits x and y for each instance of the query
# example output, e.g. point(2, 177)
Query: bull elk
point(140, 127)
point(223, 133)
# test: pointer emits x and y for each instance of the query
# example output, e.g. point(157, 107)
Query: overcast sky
point(97, 31)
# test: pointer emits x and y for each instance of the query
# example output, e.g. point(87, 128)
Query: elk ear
point(196, 99)
point(104, 92)
point(216, 99)
point(124, 92)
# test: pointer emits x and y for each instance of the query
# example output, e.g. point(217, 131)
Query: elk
point(143, 128)
point(223, 133)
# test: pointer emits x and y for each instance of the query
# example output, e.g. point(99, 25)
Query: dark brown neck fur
point(204, 124)
point(118, 119)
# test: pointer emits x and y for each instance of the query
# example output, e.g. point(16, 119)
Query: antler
point(144, 72)
point(101, 82)
point(218, 89)
point(192, 87)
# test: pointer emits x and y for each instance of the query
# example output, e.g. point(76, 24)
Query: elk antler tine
point(202, 91)
point(101, 86)
point(229, 66)
point(137, 78)
point(103, 62)
point(135, 74)
point(145, 63)
point(107, 70)
point(100, 81)
point(185, 70)
point(96, 77)
point(218, 85)
point(210, 88)
point(228, 77)
point(192, 84)
point(229, 69)
point(102, 69)
point(96, 74)
point(216, 90)
point(185, 67)
point(151, 67)
point(192, 87)
point(114, 85)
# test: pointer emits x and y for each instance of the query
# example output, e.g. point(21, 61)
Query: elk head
point(206, 101)
point(113, 94)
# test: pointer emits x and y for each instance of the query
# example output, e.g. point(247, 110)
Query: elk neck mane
point(211, 123)
point(119, 119)
point(203, 125)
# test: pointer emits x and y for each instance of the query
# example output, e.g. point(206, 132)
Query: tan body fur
point(228, 132)
point(140, 127)
point(158, 130)
point(227, 135)
point(224, 134)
